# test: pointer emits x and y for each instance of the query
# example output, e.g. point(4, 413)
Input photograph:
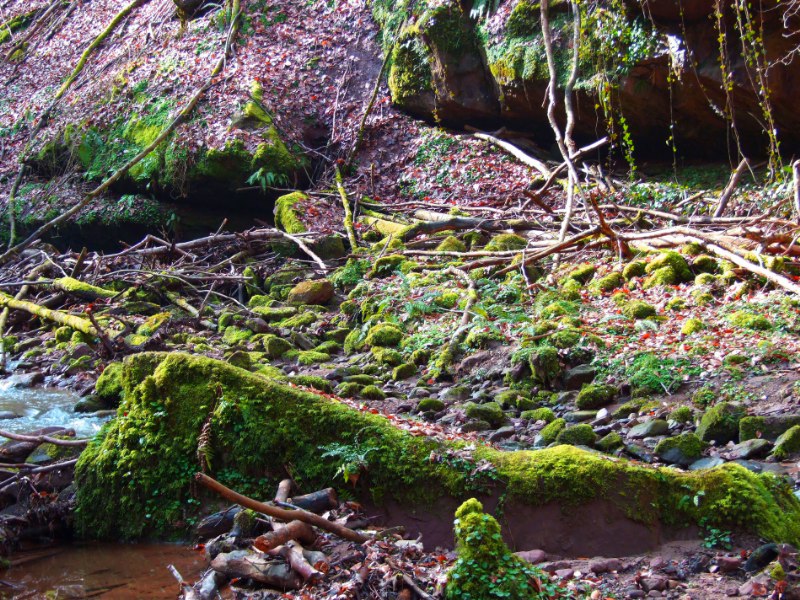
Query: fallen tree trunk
point(62, 318)
point(293, 530)
point(260, 569)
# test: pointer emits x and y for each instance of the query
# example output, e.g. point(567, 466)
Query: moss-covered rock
point(748, 320)
point(275, 346)
point(632, 406)
point(638, 309)
point(787, 444)
point(506, 241)
point(705, 264)
point(275, 313)
point(110, 386)
point(384, 334)
point(610, 442)
point(491, 412)
point(582, 274)
point(675, 261)
point(681, 414)
point(451, 244)
point(608, 283)
point(720, 423)
point(681, 450)
point(386, 266)
point(635, 268)
point(315, 292)
point(373, 392)
point(691, 326)
point(661, 277)
point(313, 381)
point(234, 336)
point(135, 478)
point(595, 395)
point(571, 290)
point(386, 356)
point(486, 567)
point(311, 357)
point(539, 414)
point(403, 371)
point(577, 435)
point(770, 428)
point(430, 405)
point(551, 431)
point(286, 212)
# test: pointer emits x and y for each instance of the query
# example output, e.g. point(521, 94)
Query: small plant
point(267, 179)
point(353, 459)
point(714, 537)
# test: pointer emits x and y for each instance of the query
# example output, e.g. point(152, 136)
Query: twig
point(730, 188)
point(42, 439)
point(348, 213)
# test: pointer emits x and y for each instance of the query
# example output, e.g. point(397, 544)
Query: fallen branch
point(524, 158)
point(41, 439)
point(722, 203)
point(294, 530)
point(302, 245)
point(62, 318)
point(348, 213)
point(280, 513)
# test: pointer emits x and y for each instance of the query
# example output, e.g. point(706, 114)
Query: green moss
point(675, 261)
point(384, 334)
point(720, 423)
point(421, 357)
point(153, 324)
point(682, 414)
point(491, 412)
point(410, 75)
point(316, 292)
point(566, 338)
point(286, 217)
point(701, 297)
point(63, 334)
point(582, 274)
point(705, 264)
point(551, 430)
point(403, 371)
point(373, 392)
point(310, 357)
point(691, 326)
point(486, 567)
point(451, 244)
point(577, 435)
point(506, 241)
point(788, 443)
point(608, 283)
point(82, 289)
point(329, 347)
point(313, 381)
point(687, 446)
point(571, 290)
point(386, 356)
point(301, 319)
point(349, 389)
point(110, 384)
point(692, 249)
point(386, 266)
point(448, 300)
point(430, 405)
point(274, 346)
point(635, 268)
point(610, 442)
point(631, 406)
point(539, 414)
point(660, 277)
point(705, 279)
point(545, 364)
point(236, 335)
point(747, 320)
point(704, 396)
point(276, 313)
point(15, 24)
point(594, 396)
point(638, 309)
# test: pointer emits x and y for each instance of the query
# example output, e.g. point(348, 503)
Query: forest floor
point(661, 355)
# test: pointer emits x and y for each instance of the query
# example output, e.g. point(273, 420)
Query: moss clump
point(506, 241)
point(349, 389)
point(633, 269)
point(286, 212)
point(545, 364)
point(539, 414)
point(720, 423)
point(571, 290)
point(277, 313)
point(659, 277)
point(676, 303)
point(594, 396)
point(638, 309)
point(234, 336)
point(675, 261)
point(705, 279)
point(63, 334)
point(610, 442)
point(329, 347)
point(403, 371)
point(135, 478)
point(451, 244)
point(410, 74)
point(566, 338)
point(705, 264)
point(701, 297)
point(682, 449)
point(386, 356)
point(747, 320)
point(691, 326)
point(373, 392)
point(788, 443)
point(608, 283)
point(681, 414)
point(582, 274)
point(110, 385)
point(386, 266)
point(310, 357)
point(491, 412)
point(153, 324)
point(82, 289)
point(485, 567)
point(629, 407)
point(301, 319)
point(313, 381)
point(704, 396)
point(577, 435)
point(384, 334)
point(551, 431)
point(316, 292)
point(421, 357)
point(448, 300)
point(430, 405)
point(274, 346)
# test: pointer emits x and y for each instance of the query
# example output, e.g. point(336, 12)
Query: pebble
point(634, 593)
point(564, 573)
point(604, 565)
point(533, 556)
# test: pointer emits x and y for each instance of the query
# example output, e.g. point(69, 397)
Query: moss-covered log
point(56, 316)
point(135, 478)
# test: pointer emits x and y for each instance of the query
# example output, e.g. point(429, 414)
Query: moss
point(684, 448)
point(403, 371)
point(638, 309)
point(551, 430)
point(310, 357)
point(705, 264)
point(577, 435)
point(373, 392)
point(539, 414)
point(701, 297)
point(545, 364)
point(451, 244)
point(384, 334)
point(276, 313)
point(135, 478)
point(664, 276)
point(610, 442)
point(286, 214)
point(15, 24)
point(301, 319)
point(386, 266)
point(421, 357)
point(705, 279)
point(313, 381)
point(608, 283)
point(410, 74)
point(692, 249)
point(747, 320)
point(153, 324)
point(691, 326)
point(274, 346)
point(349, 389)
point(318, 291)
point(386, 356)
point(704, 396)
point(682, 414)
point(430, 405)
point(506, 241)
point(489, 412)
point(594, 396)
point(63, 334)
point(110, 385)
point(329, 347)
point(631, 406)
point(787, 444)
point(83, 289)
point(675, 261)
point(633, 269)
point(720, 423)
point(448, 300)
point(583, 274)
point(236, 335)
point(486, 567)
point(571, 290)
point(566, 338)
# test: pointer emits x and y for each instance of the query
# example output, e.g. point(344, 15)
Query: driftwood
point(280, 513)
point(62, 318)
point(284, 489)
point(241, 563)
point(316, 502)
point(521, 156)
point(722, 203)
point(294, 555)
point(294, 530)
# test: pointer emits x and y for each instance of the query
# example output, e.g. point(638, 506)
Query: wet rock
point(579, 416)
point(761, 557)
point(476, 425)
point(565, 573)
point(89, 404)
point(576, 377)
point(750, 465)
point(650, 428)
point(533, 556)
point(22, 380)
point(706, 463)
point(502, 433)
point(639, 452)
point(756, 448)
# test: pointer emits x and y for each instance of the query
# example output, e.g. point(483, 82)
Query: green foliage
point(506, 241)
point(286, 217)
point(748, 320)
point(650, 374)
point(638, 309)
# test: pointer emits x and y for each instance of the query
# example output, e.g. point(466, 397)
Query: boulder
point(319, 291)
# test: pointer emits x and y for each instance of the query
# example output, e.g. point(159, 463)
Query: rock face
point(665, 78)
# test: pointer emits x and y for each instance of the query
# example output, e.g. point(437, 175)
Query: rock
point(750, 465)
point(769, 428)
point(729, 564)
point(761, 557)
point(605, 565)
point(654, 583)
point(565, 573)
point(650, 428)
point(680, 450)
point(720, 423)
point(502, 433)
point(658, 562)
point(756, 448)
point(706, 463)
point(21, 380)
point(634, 593)
point(753, 588)
point(318, 291)
point(89, 404)
point(579, 416)
point(533, 556)
point(7, 414)
point(475, 425)
point(576, 377)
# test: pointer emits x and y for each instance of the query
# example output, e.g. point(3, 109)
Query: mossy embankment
point(134, 480)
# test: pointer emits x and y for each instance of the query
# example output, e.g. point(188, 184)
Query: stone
point(761, 557)
point(729, 564)
point(650, 428)
point(318, 291)
point(658, 584)
point(579, 416)
point(605, 565)
point(502, 433)
point(576, 377)
point(21, 380)
point(756, 448)
point(7, 414)
point(706, 463)
point(750, 465)
point(533, 556)
point(565, 573)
